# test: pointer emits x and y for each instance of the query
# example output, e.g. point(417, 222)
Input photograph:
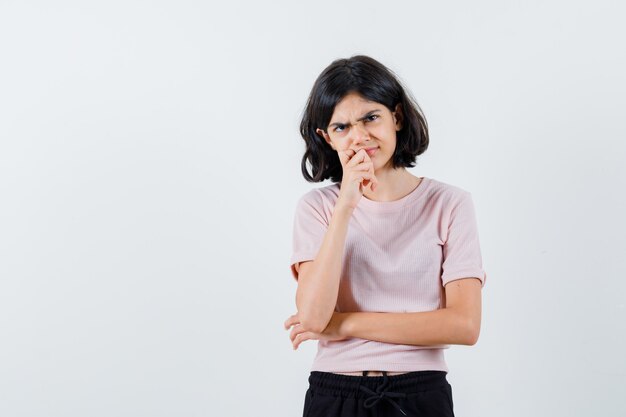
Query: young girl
point(388, 265)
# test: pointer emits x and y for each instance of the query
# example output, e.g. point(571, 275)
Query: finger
point(366, 179)
point(355, 159)
point(295, 331)
point(364, 166)
point(363, 176)
point(345, 156)
point(373, 183)
point(358, 157)
point(373, 178)
point(301, 338)
point(291, 321)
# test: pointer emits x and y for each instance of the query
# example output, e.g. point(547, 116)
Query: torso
point(417, 181)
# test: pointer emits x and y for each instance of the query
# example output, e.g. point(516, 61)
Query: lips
point(371, 151)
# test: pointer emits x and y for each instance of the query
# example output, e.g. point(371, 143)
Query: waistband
point(410, 382)
point(377, 388)
point(371, 373)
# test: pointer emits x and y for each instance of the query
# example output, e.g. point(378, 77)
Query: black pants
point(413, 394)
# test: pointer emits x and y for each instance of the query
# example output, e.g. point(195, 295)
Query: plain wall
point(150, 166)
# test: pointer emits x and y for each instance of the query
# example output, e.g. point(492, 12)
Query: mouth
point(371, 151)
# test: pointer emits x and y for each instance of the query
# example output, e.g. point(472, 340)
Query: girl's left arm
point(458, 323)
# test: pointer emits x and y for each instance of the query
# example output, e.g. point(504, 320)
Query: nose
point(359, 134)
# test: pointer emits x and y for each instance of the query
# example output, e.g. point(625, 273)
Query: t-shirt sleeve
point(309, 228)
point(461, 250)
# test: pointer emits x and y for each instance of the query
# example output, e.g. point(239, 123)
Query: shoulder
point(447, 194)
point(319, 201)
point(320, 197)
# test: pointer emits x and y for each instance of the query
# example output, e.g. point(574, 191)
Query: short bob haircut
point(373, 81)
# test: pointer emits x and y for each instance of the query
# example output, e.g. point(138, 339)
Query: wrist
point(345, 329)
point(341, 207)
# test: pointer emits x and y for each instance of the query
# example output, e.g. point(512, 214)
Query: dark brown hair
point(372, 80)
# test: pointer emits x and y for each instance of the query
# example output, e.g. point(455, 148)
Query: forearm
point(316, 296)
point(428, 328)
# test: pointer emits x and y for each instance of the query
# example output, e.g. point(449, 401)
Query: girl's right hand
point(358, 173)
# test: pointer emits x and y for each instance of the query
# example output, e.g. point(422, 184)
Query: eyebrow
point(368, 114)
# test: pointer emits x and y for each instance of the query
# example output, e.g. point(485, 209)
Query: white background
point(150, 165)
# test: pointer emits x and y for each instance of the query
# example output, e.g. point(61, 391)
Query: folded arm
point(457, 323)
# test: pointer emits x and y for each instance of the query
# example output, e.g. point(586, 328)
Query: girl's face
point(358, 123)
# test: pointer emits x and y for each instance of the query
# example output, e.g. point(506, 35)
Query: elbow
point(311, 320)
point(472, 332)
point(467, 327)
point(317, 327)
point(313, 325)
point(312, 317)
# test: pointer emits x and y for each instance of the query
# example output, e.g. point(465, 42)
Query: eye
point(372, 117)
point(338, 127)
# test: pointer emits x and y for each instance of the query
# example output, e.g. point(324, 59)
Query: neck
point(392, 185)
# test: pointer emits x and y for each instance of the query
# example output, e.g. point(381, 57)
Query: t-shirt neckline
point(385, 206)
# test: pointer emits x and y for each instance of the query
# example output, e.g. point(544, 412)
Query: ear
point(325, 136)
point(397, 117)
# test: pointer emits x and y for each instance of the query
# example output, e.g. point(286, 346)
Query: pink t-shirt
point(398, 256)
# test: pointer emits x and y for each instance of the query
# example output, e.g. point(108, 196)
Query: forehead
point(353, 106)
